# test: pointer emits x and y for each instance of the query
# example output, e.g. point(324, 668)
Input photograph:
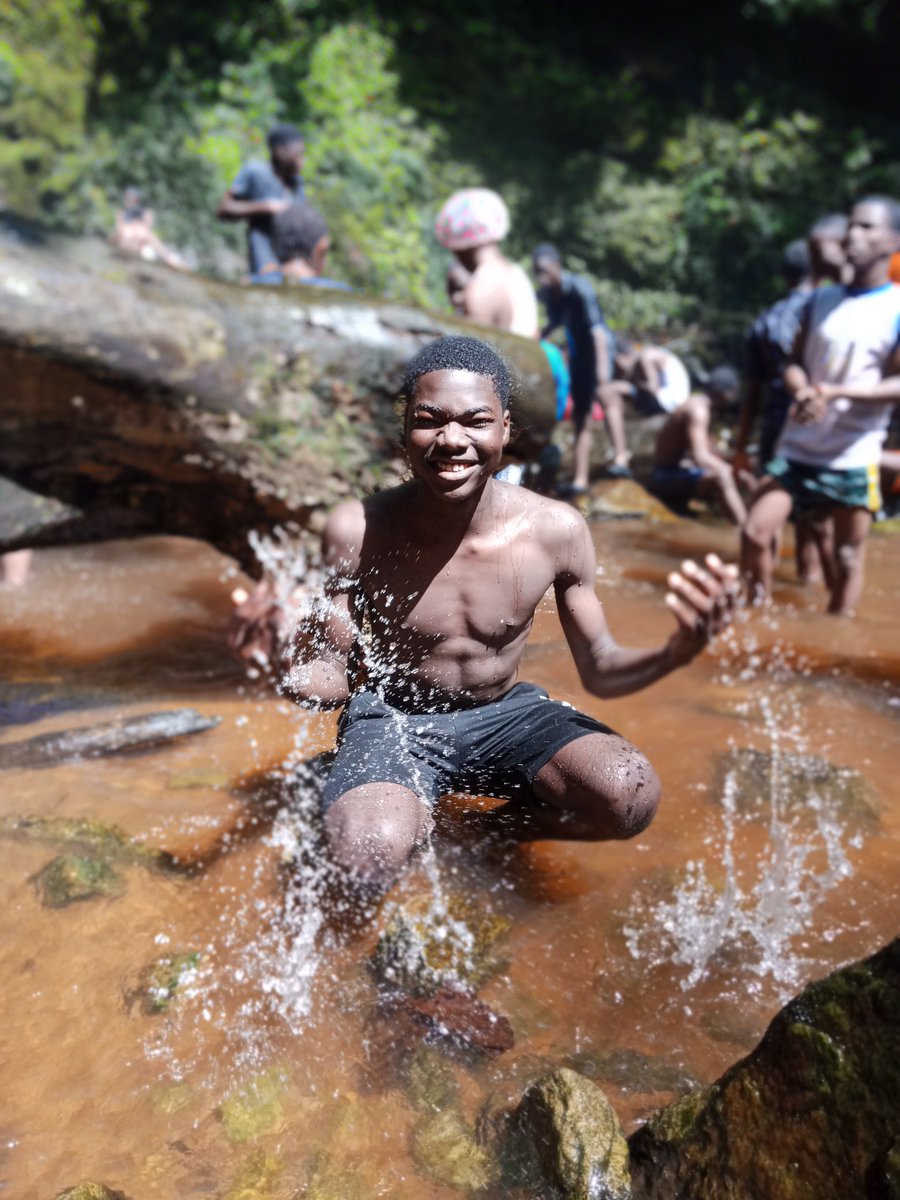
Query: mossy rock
point(802, 781)
point(566, 1133)
point(445, 1149)
point(620, 498)
point(420, 949)
point(810, 1114)
point(430, 1084)
point(71, 877)
point(256, 1178)
point(160, 982)
point(255, 1107)
point(90, 1191)
point(101, 839)
point(327, 1182)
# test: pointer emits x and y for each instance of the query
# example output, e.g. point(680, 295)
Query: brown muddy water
point(648, 964)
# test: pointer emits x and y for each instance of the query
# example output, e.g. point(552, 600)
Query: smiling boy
point(433, 587)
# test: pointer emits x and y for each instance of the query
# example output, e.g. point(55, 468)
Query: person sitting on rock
point(685, 465)
point(301, 242)
point(431, 594)
point(134, 233)
point(495, 291)
point(655, 381)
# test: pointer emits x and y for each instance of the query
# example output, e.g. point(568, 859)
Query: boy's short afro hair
point(458, 354)
point(297, 231)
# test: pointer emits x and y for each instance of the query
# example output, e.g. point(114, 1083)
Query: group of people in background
point(822, 363)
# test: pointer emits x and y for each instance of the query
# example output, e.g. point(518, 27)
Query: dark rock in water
point(444, 1147)
point(103, 841)
point(72, 877)
point(32, 700)
point(566, 1133)
point(112, 737)
point(422, 949)
point(90, 1191)
point(459, 1016)
point(802, 781)
point(632, 1071)
point(160, 982)
point(810, 1114)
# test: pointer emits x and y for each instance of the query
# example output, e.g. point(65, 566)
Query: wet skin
point(450, 568)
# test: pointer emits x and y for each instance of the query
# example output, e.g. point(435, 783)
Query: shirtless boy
point(432, 593)
point(482, 283)
point(685, 463)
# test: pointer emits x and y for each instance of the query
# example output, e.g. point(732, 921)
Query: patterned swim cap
point(472, 217)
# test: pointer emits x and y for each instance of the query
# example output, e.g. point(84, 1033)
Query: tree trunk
point(145, 400)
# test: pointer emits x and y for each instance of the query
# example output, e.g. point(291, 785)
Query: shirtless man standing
point(482, 283)
point(432, 591)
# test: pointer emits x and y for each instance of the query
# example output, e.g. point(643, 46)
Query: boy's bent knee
point(373, 831)
point(634, 795)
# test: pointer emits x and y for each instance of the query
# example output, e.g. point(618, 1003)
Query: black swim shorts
point(493, 749)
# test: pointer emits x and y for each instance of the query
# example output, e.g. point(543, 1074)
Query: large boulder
point(811, 1114)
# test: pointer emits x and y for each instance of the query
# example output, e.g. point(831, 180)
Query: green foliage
point(669, 157)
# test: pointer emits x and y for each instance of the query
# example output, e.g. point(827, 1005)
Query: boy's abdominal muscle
point(447, 681)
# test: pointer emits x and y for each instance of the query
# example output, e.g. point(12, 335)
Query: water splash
point(751, 906)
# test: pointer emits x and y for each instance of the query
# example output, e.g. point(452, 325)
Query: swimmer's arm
point(700, 598)
point(232, 209)
point(885, 391)
point(698, 440)
point(601, 352)
point(317, 663)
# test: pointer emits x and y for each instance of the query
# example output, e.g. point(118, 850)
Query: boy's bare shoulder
point(553, 521)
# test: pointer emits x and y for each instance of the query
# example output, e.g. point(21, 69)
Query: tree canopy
point(669, 150)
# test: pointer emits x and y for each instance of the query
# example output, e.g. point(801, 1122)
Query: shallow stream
point(649, 965)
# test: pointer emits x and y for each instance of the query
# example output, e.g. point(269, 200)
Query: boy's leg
point(814, 548)
point(612, 398)
point(769, 509)
point(851, 525)
point(373, 831)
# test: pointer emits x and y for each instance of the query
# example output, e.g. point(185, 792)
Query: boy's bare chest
point(481, 591)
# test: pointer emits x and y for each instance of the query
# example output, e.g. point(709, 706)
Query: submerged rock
point(566, 1132)
point(161, 980)
point(104, 841)
point(423, 948)
point(254, 1107)
point(256, 1178)
point(444, 1147)
point(90, 1191)
point(95, 741)
point(430, 1083)
point(326, 1182)
point(72, 877)
point(456, 1015)
point(633, 1071)
point(802, 781)
point(810, 1114)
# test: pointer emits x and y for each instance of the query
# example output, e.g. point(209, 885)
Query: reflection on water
point(268, 1069)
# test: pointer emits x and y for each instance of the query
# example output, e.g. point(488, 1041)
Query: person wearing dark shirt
point(769, 341)
point(301, 242)
point(570, 301)
point(261, 190)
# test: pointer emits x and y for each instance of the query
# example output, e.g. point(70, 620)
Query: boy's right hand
point(254, 630)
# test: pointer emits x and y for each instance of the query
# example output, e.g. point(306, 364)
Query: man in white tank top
point(844, 381)
point(472, 223)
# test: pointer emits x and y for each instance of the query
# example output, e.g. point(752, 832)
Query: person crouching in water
point(685, 465)
point(446, 572)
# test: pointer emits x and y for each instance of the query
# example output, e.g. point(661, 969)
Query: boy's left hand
point(702, 600)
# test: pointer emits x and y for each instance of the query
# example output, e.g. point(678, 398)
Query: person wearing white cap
point(496, 292)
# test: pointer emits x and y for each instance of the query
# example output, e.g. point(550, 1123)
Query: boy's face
point(548, 275)
point(456, 430)
point(870, 235)
point(288, 160)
